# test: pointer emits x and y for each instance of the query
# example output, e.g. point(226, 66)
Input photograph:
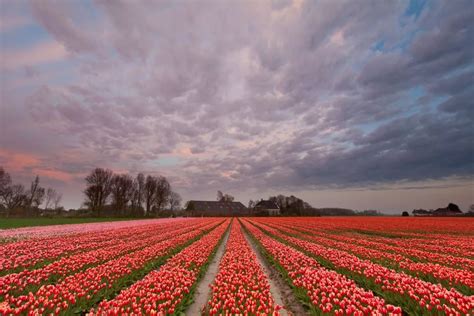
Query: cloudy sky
point(360, 104)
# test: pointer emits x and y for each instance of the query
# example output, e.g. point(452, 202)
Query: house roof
point(216, 206)
point(446, 210)
point(267, 204)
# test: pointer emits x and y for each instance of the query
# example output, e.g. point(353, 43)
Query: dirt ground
point(281, 291)
point(203, 290)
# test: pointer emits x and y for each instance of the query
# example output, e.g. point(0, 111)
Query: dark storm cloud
point(414, 148)
point(409, 144)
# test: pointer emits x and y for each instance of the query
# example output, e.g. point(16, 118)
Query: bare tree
point(5, 179)
point(174, 201)
point(35, 196)
point(141, 196)
point(98, 188)
point(15, 196)
point(149, 193)
point(138, 194)
point(140, 188)
point(122, 191)
point(221, 197)
point(290, 205)
point(163, 191)
point(280, 200)
point(57, 200)
point(49, 197)
point(251, 204)
point(52, 199)
point(5, 182)
point(92, 198)
point(156, 194)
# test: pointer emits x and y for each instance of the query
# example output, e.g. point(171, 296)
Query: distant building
point(216, 208)
point(450, 210)
point(446, 212)
point(421, 212)
point(267, 207)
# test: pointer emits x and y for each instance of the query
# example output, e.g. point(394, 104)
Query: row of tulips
point(416, 248)
point(240, 287)
point(17, 283)
point(326, 290)
point(37, 232)
point(445, 249)
point(463, 280)
point(163, 291)
point(430, 243)
point(421, 231)
point(29, 253)
point(407, 248)
point(415, 295)
point(79, 291)
point(455, 228)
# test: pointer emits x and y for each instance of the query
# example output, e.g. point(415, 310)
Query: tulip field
point(264, 266)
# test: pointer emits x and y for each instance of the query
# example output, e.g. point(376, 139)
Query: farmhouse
point(451, 210)
point(446, 212)
point(216, 208)
point(267, 207)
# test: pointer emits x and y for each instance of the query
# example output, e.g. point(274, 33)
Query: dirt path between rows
point(203, 290)
point(280, 290)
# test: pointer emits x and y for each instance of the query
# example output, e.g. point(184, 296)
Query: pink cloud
point(54, 174)
point(17, 162)
point(20, 163)
point(41, 53)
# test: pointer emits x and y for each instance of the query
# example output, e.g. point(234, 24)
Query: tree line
point(288, 205)
point(17, 200)
point(124, 195)
point(294, 206)
point(224, 197)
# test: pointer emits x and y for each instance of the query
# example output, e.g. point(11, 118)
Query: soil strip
point(203, 290)
point(281, 291)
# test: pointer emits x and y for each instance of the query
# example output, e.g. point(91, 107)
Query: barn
point(216, 208)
